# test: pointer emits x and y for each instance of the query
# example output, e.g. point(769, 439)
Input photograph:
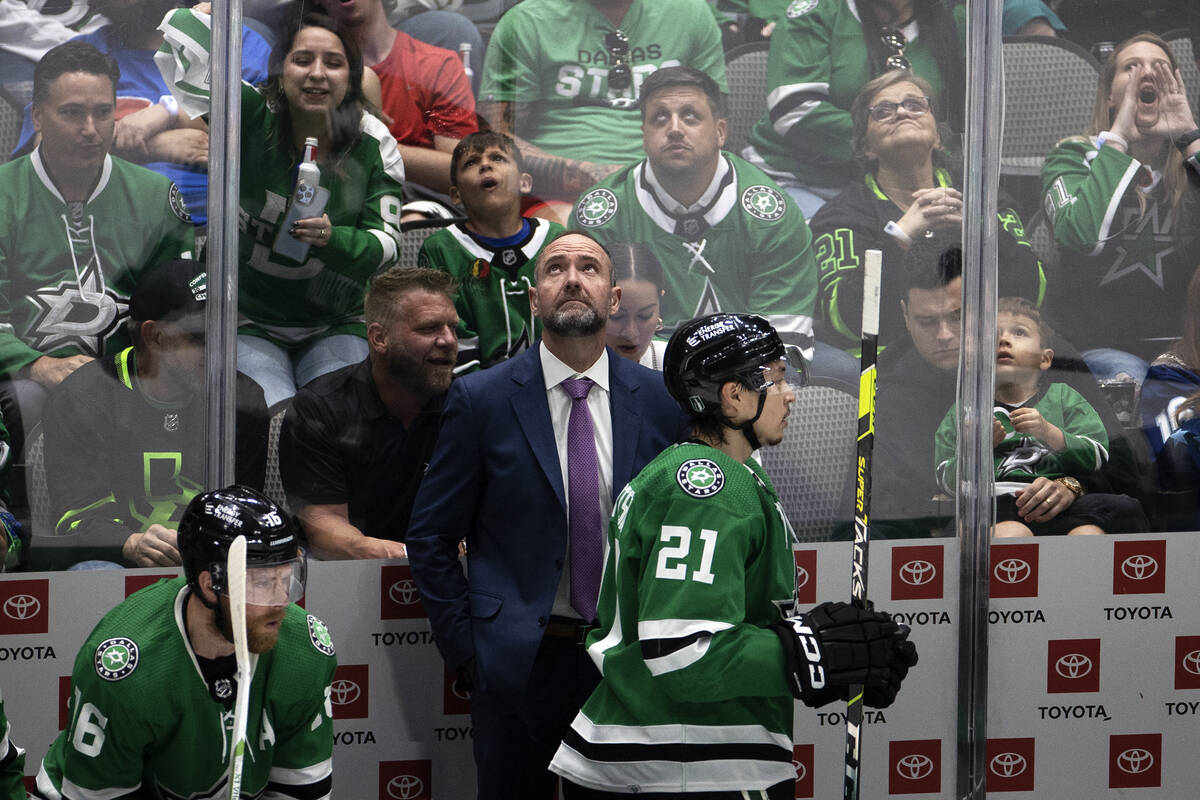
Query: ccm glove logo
point(810, 647)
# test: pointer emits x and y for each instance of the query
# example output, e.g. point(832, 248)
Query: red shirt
point(425, 92)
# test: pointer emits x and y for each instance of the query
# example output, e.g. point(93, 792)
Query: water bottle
point(464, 50)
point(308, 200)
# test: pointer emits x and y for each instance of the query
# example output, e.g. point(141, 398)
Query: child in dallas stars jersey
point(492, 254)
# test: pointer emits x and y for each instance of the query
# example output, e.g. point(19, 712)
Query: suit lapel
point(626, 421)
point(533, 414)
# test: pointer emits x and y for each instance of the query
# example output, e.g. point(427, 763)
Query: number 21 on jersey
point(672, 558)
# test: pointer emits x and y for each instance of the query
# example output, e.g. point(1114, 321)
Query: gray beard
point(574, 325)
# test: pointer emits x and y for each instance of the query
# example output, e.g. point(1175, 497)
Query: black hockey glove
point(836, 645)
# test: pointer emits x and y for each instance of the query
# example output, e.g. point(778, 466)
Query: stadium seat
point(1180, 41)
point(1049, 91)
point(414, 234)
point(811, 466)
point(10, 126)
point(746, 73)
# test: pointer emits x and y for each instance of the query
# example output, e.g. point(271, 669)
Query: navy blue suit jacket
point(494, 478)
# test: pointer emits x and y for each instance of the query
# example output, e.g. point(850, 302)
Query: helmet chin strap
point(747, 427)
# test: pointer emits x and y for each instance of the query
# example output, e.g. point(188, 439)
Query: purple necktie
point(583, 500)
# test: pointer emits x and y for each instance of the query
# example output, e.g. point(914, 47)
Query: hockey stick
point(236, 577)
point(862, 500)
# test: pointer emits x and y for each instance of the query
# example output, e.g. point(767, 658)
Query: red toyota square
point(350, 691)
point(1135, 761)
point(915, 767)
point(1010, 765)
point(1139, 566)
point(917, 572)
point(398, 595)
point(134, 583)
point(1187, 662)
point(1014, 570)
point(454, 699)
point(802, 760)
point(64, 697)
point(1072, 665)
point(806, 576)
point(406, 780)
point(25, 606)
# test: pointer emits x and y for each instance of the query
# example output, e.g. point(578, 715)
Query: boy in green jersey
point(492, 254)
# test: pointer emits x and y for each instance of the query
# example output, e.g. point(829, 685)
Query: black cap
point(169, 290)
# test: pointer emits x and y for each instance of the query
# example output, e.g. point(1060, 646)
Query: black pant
point(785, 790)
point(515, 738)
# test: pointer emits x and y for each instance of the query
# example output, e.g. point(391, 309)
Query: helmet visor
point(276, 584)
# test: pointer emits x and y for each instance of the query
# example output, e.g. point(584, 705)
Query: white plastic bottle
point(308, 200)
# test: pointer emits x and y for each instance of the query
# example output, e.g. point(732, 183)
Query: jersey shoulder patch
point(318, 634)
point(178, 207)
point(798, 8)
point(763, 202)
point(700, 477)
point(596, 208)
point(116, 658)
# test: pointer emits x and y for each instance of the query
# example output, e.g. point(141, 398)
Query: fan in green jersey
point(301, 281)
point(493, 253)
point(700, 642)
point(153, 686)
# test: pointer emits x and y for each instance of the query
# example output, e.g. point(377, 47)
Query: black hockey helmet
point(707, 352)
point(212, 521)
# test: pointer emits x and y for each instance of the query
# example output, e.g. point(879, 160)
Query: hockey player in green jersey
point(492, 254)
point(153, 687)
point(700, 642)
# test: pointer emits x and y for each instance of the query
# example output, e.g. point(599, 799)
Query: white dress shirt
point(555, 372)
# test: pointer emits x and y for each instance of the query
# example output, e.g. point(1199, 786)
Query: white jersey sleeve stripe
point(781, 93)
point(302, 775)
point(678, 628)
point(679, 659)
point(390, 251)
point(670, 734)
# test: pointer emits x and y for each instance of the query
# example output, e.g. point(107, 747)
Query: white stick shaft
point(873, 268)
point(236, 576)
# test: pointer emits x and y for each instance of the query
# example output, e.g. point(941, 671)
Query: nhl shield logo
point(798, 8)
point(596, 208)
point(319, 634)
point(763, 202)
point(508, 257)
point(700, 477)
point(170, 422)
point(116, 658)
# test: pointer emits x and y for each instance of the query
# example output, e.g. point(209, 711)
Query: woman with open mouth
point(301, 307)
point(1122, 201)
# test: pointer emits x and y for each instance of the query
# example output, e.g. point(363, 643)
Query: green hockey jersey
point(1020, 458)
point(66, 270)
point(143, 722)
point(817, 64)
point(744, 247)
point(693, 696)
point(563, 78)
point(494, 319)
point(278, 298)
point(12, 762)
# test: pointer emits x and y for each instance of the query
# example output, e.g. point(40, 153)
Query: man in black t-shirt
point(355, 442)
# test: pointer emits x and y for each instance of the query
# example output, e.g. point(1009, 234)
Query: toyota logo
point(404, 592)
point(917, 573)
point(405, 787)
point(1073, 665)
point(1135, 760)
point(1012, 570)
point(915, 767)
point(1008, 765)
point(22, 606)
point(801, 772)
point(801, 577)
point(343, 692)
point(1191, 662)
point(1139, 567)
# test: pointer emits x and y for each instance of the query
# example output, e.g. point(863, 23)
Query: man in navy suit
point(500, 476)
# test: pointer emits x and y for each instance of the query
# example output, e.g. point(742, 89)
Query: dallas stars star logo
point(1144, 244)
point(68, 316)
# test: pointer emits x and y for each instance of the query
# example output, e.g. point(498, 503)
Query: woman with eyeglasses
point(631, 329)
point(1122, 201)
point(822, 53)
point(906, 193)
